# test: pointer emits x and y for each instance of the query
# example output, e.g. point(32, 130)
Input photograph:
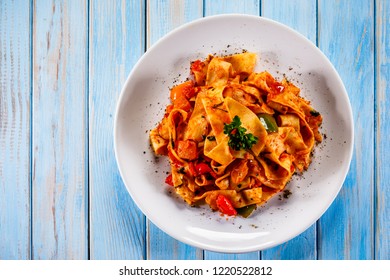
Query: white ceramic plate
point(282, 52)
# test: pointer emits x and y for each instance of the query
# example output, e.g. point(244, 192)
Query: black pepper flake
point(181, 170)
point(287, 193)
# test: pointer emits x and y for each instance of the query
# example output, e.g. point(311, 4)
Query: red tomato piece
point(191, 169)
point(180, 95)
point(197, 66)
point(174, 159)
point(278, 87)
point(169, 180)
point(202, 168)
point(225, 206)
point(187, 149)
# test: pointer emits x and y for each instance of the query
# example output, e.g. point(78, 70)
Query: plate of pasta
point(233, 143)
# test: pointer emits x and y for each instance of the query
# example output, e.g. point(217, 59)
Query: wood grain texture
point(59, 123)
point(117, 227)
point(213, 7)
point(301, 16)
point(346, 36)
point(61, 195)
point(162, 17)
point(382, 199)
point(15, 130)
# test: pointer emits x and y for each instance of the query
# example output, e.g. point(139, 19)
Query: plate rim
point(167, 36)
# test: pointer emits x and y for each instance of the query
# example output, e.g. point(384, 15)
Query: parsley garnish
point(238, 139)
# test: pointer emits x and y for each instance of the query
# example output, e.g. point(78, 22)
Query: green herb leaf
point(238, 138)
point(246, 210)
point(269, 122)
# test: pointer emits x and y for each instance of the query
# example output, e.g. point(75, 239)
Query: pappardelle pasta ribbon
point(234, 137)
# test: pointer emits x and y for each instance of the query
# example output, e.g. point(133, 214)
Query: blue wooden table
point(62, 66)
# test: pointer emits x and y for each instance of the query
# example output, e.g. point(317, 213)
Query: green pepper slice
point(269, 122)
point(246, 210)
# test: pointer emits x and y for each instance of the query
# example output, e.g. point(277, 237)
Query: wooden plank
point(60, 175)
point(382, 200)
point(15, 129)
point(301, 16)
point(162, 17)
point(297, 14)
point(251, 7)
point(117, 227)
point(346, 33)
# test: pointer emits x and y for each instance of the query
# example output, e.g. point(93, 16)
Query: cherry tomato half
point(225, 206)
